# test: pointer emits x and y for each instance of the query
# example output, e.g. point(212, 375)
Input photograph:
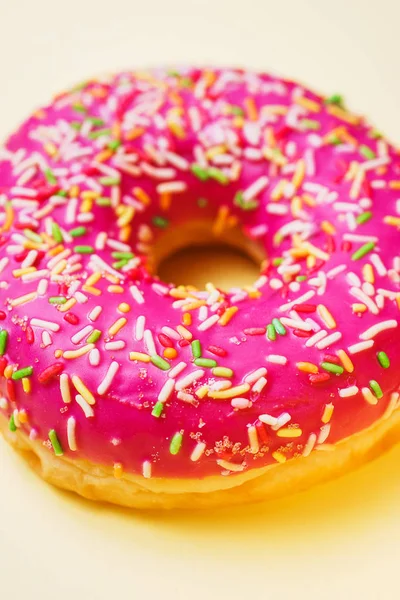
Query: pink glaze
point(243, 126)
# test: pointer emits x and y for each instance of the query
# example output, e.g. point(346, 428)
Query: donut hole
point(191, 255)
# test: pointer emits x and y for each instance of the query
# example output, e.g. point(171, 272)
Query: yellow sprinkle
point(74, 191)
point(58, 353)
point(111, 278)
point(309, 104)
point(91, 290)
point(118, 470)
point(229, 466)
point(317, 252)
point(185, 333)
point(229, 393)
point(9, 217)
point(82, 389)
point(215, 151)
point(179, 294)
point(176, 129)
point(298, 252)
point(390, 220)
point(124, 307)
point(67, 306)
point(309, 200)
point(369, 396)
point(22, 416)
point(20, 272)
point(279, 457)
point(299, 174)
point(24, 299)
point(346, 361)
point(296, 205)
point(253, 439)
point(358, 307)
point(59, 267)
point(326, 316)
point(342, 114)
point(140, 356)
point(86, 206)
point(193, 305)
point(50, 149)
point(56, 250)
point(141, 195)
point(278, 190)
point(227, 316)
point(126, 217)
point(8, 371)
point(26, 385)
point(307, 367)
point(328, 412)
point(69, 354)
point(90, 195)
point(394, 184)
point(311, 261)
point(328, 228)
point(186, 319)
point(289, 432)
point(368, 273)
point(202, 391)
point(93, 279)
point(117, 326)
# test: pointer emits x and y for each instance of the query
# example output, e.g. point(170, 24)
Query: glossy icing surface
point(102, 361)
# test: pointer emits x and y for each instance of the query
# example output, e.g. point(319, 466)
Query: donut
point(128, 389)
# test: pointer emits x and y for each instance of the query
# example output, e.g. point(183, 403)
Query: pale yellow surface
point(341, 540)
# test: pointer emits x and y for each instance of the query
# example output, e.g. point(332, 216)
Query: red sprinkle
point(301, 333)
point(3, 364)
point(307, 308)
point(346, 246)
point(52, 371)
point(332, 358)
point(183, 343)
point(30, 336)
point(261, 432)
point(319, 377)
point(71, 318)
point(2, 315)
point(10, 390)
point(217, 350)
point(165, 340)
point(254, 331)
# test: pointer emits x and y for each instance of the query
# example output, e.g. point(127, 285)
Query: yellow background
point(341, 540)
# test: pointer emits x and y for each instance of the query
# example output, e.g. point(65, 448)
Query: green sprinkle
point(366, 152)
point(26, 372)
point(361, 252)
point(160, 362)
point(108, 181)
point(32, 236)
point(76, 125)
point(301, 278)
point(80, 86)
point(176, 443)
point(96, 121)
point(376, 388)
point(279, 328)
point(94, 336)
point(332, 368)
point(79, 108)
point(222, 372)
point(375, 134)
point(77, 232)
point(383, 359)
point(3, 341)
point(160, 222)
point(196, 349)
point(334, 99)
point(120, 264)
point(157, 409)
point(199, 172)
point(123, 255)
point(93, 135)
point(103, 201)
point(208, 363)
point(48, 173)
point(186, 82)
point(239, 201)
point(218, 175)
point(11, 424)
point(236, 110)
point(58, 451)
point(334, 140)
point(57, 300)
point(202, 202)
point(310, 124)
point(364, 217)
point(271, 333)
point(84, 249)
point(277, 261)
point(114, 144)
point(62, 193)
point(56, 233)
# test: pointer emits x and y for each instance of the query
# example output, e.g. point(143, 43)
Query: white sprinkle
point(95, 313)
point(46, 339)
point(255, 188)
point(149, 343)
point(45, 324)
point(81, 298)
point(80, 335)
point(259, 385)
point(101, 239)
point(360, 347)
point(375, 329)
point(349, 391)
point(108, 379)
point(328, 341)
point(241, 403)
point(71, 426)
point(374, 163)
point(228, 466)
point(171, 187)
point(188, 398)
point(208, 323)
point(64, 388)
point(378, 264)
point(282, 420)
point(174, 372)
point(325, 431)
point(117, 345)
point(252, 377)
point(369, 396)
point(392, 406)
point(3, 263)
point(166, 390)
point(277, 359)
point(316, 338)
point(171, 333)
point(136, 294)
point(139, 327)
point(187, 381)
point(198, 451)
point(3, 403)
point(277, 209)
point(146, 469)
point(203, 313)
point(355, 237)
point(87, 409)
point(301, 299)
point(16, 418)
point(360, 295)
point(94, 357)
point(30, 259)
point(296, 324)
point(309, 446)
point(334, 272)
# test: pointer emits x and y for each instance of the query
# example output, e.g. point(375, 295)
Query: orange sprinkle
point(170, 353)
point(185, 333)
point(307, 367)
point(134, 133)
point(56, 250)
point(22, 416)
point(298, 252)
point(91, 290)
point(251, 108)
point(220, 221)
point(118, 470)
point(227, 316)
point(328, 412)
point(74, 191)
point(309, 104)
point(141, 195)
point(186, 319)
point(326, 316)
point(394, 184)
point(124, 307)
point(346, 361)
point(165, 201)
point(115, 289)
point(328, 228)
point(342, 114)
point(103, 156)
point(125, 233)
point(8, 371)
point(299, 173)
point(9, 217)
point(390, 220)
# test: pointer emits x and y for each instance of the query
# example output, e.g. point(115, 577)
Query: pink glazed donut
point(125, 388)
